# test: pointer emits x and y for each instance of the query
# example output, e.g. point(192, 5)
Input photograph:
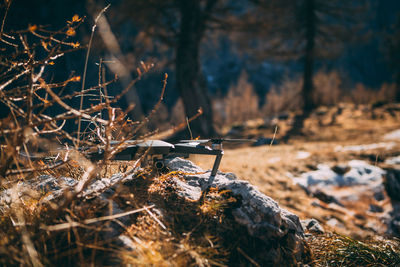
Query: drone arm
point(199, 150)
point(216, 164)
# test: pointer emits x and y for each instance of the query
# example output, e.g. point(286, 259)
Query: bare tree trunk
point(397, 96)
point(308, 85)
point(188, 74)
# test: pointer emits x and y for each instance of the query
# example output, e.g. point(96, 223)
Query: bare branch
point(86, 63)
point(16, 77)
point(68, 225)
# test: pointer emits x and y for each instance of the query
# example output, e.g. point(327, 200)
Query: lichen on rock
point(260, 214)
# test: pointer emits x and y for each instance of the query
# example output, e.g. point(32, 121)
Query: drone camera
point(159, 164)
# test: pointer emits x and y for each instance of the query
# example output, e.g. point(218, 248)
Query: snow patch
point(394, 135)
point(274, 160)
point(302, 154)
point(359, 148)
point(393, 161)
point(360, 173)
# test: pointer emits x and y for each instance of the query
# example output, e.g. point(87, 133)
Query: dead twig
point(72, 224)
point(86, 63)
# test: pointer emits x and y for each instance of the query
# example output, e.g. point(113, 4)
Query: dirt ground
point(326, 138)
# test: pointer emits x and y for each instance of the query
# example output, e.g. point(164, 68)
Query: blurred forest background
point(237, 60)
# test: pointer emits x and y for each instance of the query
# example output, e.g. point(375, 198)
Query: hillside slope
point(358, 133)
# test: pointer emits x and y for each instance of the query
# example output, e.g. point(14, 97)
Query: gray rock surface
point(260, 214)
point(313, 226)
point(280, 230)
point(392, 183)
point(392, 186)
point(358, 173)
point(54, 187)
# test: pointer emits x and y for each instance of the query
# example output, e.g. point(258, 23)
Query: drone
point(159, 151)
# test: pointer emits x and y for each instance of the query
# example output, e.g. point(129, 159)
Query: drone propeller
point(218, 140)
point(200, 141)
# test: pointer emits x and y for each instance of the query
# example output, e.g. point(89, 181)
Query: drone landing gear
point(212, 176)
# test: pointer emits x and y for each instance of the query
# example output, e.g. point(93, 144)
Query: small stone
point(341, 169)
point(375, 208)
point(313, 226)
point(325, 197)
point(379, 195)
point(392, 183)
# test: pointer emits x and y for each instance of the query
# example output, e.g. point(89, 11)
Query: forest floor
point(349, 146)
point(333, 137)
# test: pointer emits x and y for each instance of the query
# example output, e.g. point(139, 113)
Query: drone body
point(159, 150)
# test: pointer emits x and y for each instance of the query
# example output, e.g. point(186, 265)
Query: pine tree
point(393, 51)
point(307, 30)
point(182, 25)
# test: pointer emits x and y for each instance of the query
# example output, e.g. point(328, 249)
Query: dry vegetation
point(267, 167)
point(68, 229)
point(39, 228)
point(336, 250)
point(74, 230)
point(242, 103)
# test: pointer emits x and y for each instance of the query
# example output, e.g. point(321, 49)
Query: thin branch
point(156, 107)
point(30, 170)
point(68, 225)
point(13, 79)
point(86, 63)
point(72, 110)
point(38, 132)
point(176, 129)
point(2, 26)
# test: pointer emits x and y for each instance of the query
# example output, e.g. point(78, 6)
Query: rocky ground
point(310, 201)
point(335, 172)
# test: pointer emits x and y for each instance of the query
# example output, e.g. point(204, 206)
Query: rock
point(392, 183)
point(394, 224)
point(283, 116)
point(375, 208)
point(379, 194)
point(279, 230)
point(393, 161)
point(325, 197)
point(313, 226)
point(341, 169)
point(53, 188)
point(360, 173)
point(99, 194)
point(260, 214)
point(261, 141)
point(354, 188)
point(333, 222)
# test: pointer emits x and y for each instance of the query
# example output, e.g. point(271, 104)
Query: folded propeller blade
point(218, 140)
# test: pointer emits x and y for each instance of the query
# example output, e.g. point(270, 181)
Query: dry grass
point(337, 250)
point(329, 91)
point(188, 233)
point(72, 230)
point(69, 229)
point(240, 104)
point(267, 166)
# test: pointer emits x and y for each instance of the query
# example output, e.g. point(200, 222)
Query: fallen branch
point(68, 225)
